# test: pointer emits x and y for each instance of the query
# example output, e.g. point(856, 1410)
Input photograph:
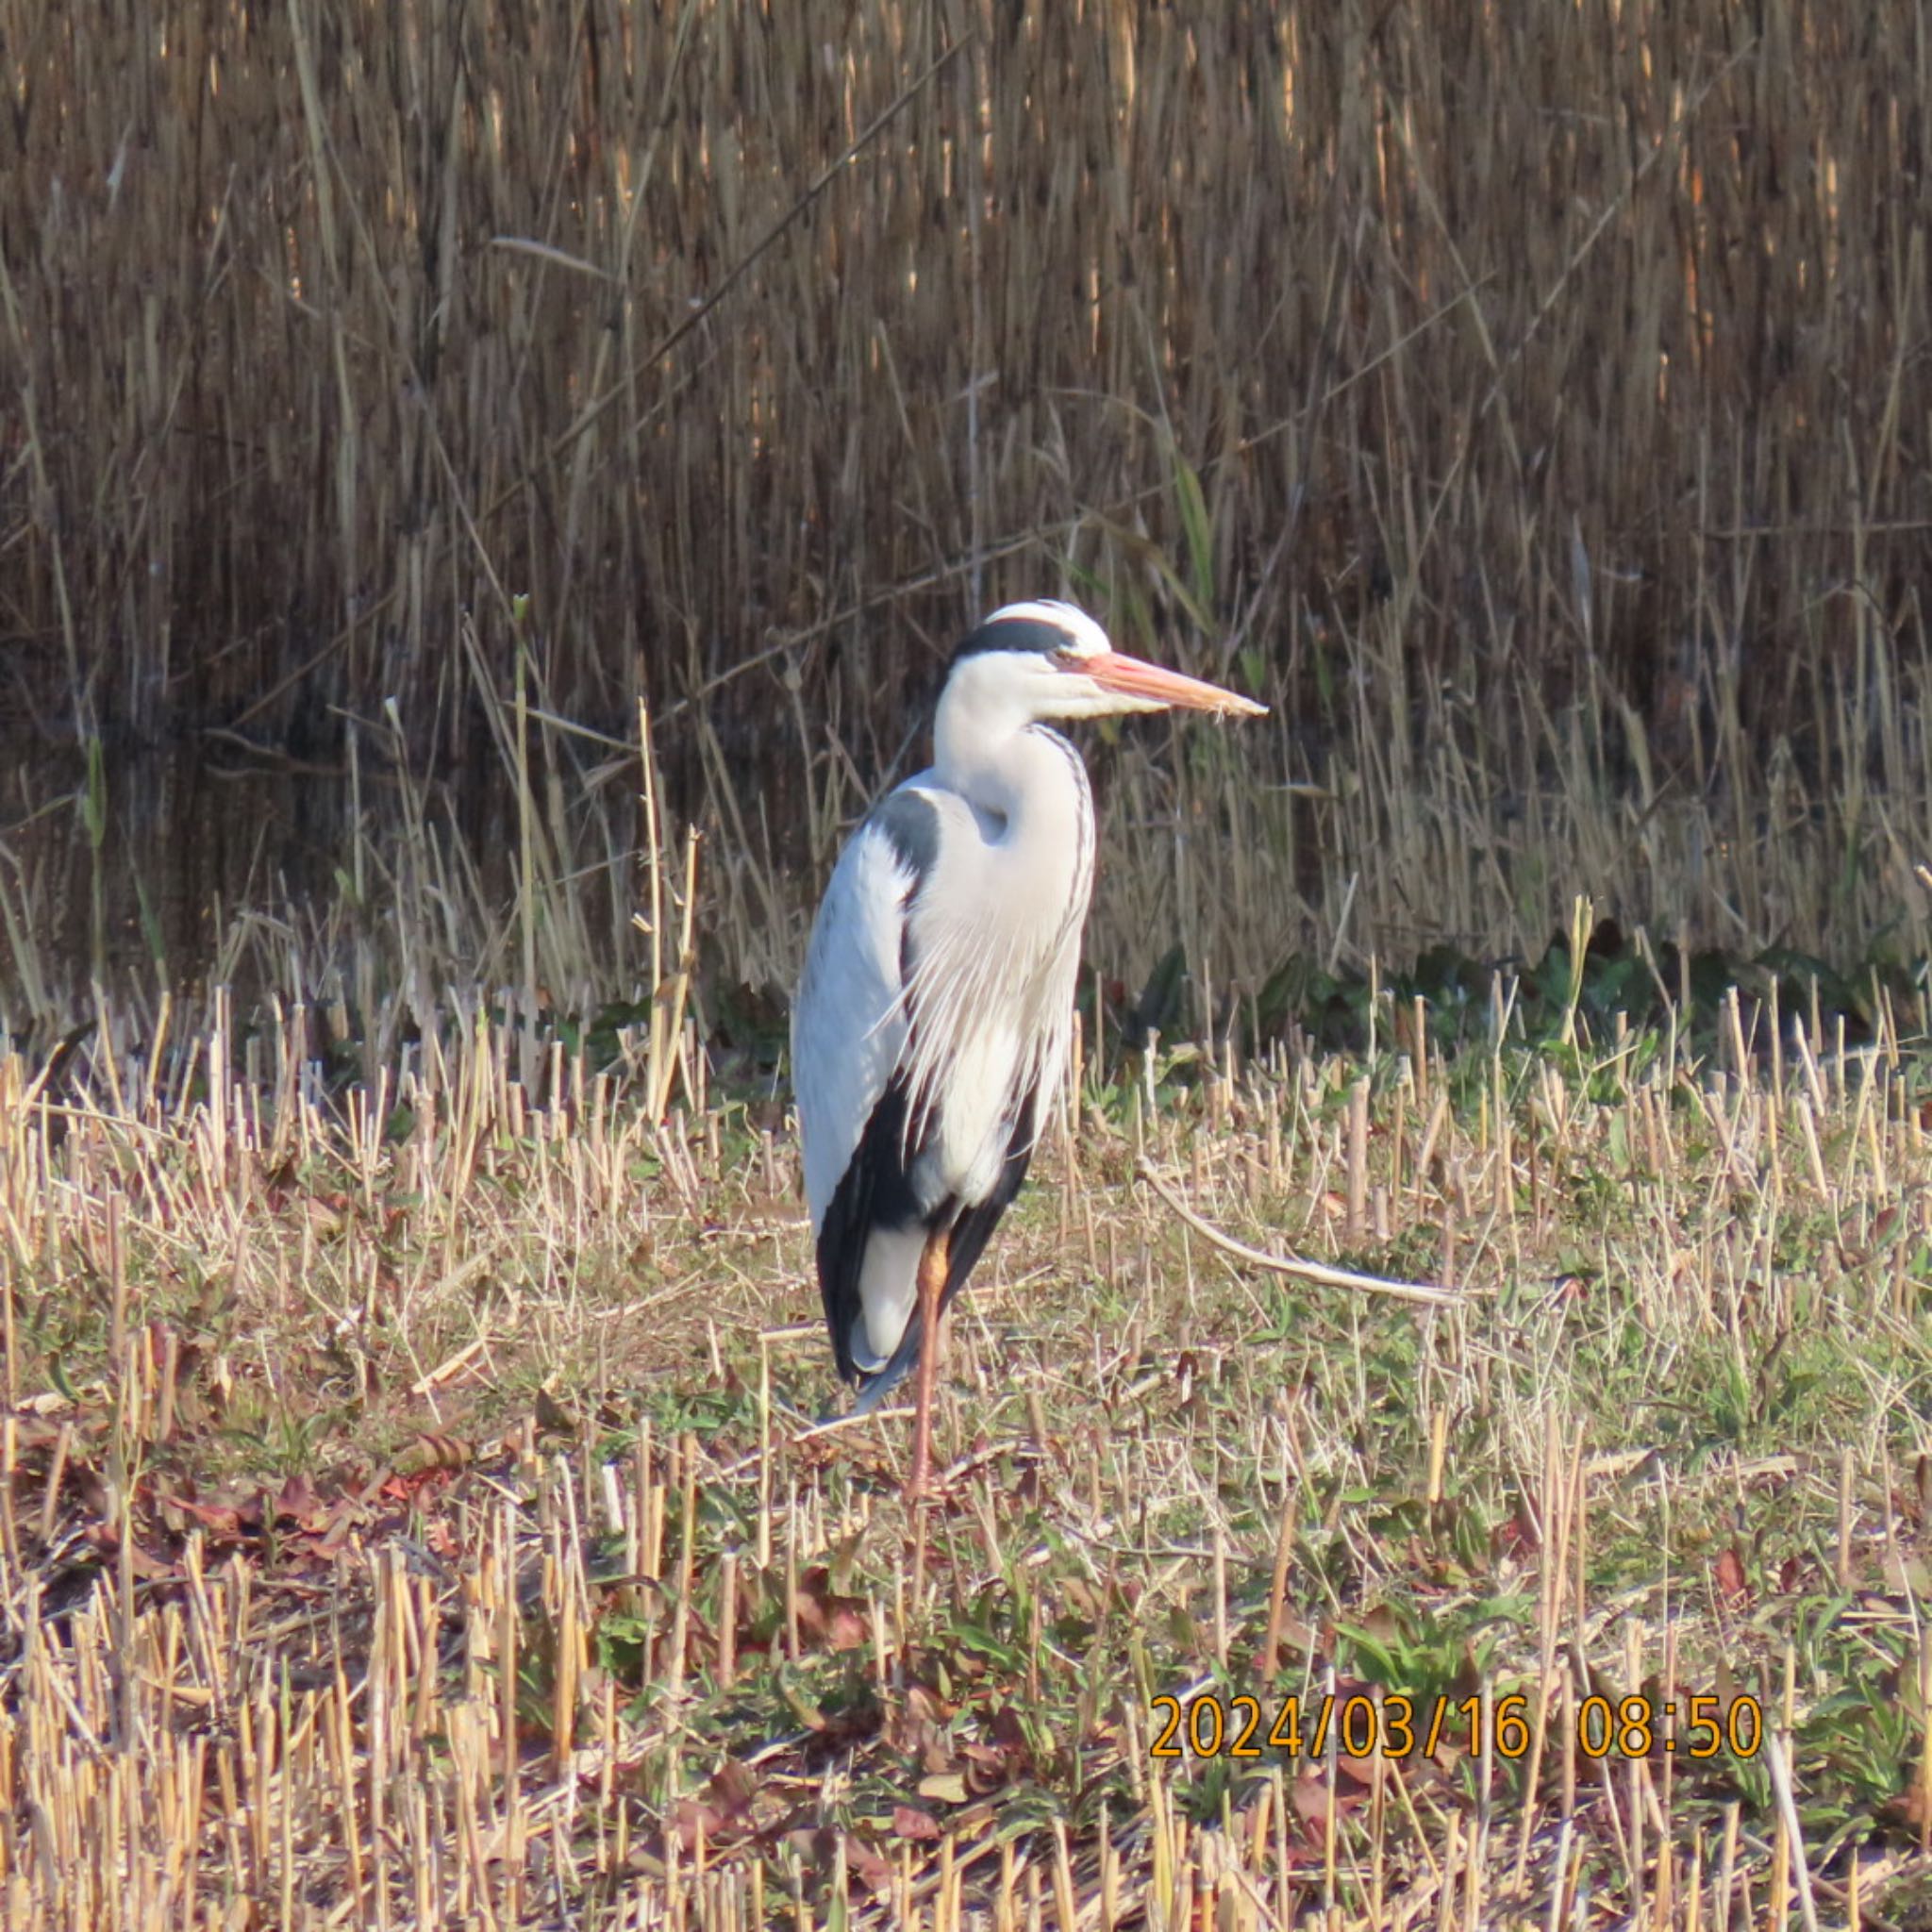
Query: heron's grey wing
point(849, 1025)
point(849, 1040)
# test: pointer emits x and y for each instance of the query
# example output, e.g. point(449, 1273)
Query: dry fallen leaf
point(839, 1622)
point(910, 1822)
point(1733, 1585)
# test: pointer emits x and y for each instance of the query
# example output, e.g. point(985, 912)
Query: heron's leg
point(932, 1282)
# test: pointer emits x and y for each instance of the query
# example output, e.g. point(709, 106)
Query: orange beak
point(1134, 677)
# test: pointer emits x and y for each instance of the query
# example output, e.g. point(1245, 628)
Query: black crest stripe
point(1015, 634)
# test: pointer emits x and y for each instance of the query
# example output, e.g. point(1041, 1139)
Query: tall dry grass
point(1531, 403)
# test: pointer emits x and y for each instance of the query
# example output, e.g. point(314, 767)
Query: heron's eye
point(1064, 659)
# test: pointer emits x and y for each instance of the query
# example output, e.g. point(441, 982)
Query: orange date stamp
point(1398, 1726)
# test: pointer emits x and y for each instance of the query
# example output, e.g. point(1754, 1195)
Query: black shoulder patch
point(1013, 634)
point(911, 821)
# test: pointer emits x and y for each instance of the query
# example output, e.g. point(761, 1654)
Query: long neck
point(1028, 787)
point(999, 760)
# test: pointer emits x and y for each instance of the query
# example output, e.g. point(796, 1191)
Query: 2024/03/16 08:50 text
point(1359, 1726)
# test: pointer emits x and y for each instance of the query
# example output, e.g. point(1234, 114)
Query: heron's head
point(1029, 663)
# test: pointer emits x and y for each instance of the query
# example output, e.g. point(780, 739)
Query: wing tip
point(874, 1388)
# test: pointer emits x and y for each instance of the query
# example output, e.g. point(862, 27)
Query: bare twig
point(1317, 1272)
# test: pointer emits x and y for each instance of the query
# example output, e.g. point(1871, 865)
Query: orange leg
point(932, 1282)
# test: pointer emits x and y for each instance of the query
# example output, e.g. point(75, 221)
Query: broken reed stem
point(1318, 1273)
point(1284, 1554)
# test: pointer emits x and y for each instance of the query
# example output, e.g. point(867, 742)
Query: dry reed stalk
point(1315, 1272)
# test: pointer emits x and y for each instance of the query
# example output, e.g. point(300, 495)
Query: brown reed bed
point(1533, 402)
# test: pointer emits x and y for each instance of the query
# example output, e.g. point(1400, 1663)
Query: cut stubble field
point(416, 1511)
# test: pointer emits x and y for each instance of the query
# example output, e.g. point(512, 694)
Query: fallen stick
point(1317, 1272)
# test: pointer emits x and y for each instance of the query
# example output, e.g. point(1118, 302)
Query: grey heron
point(933, 1021)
